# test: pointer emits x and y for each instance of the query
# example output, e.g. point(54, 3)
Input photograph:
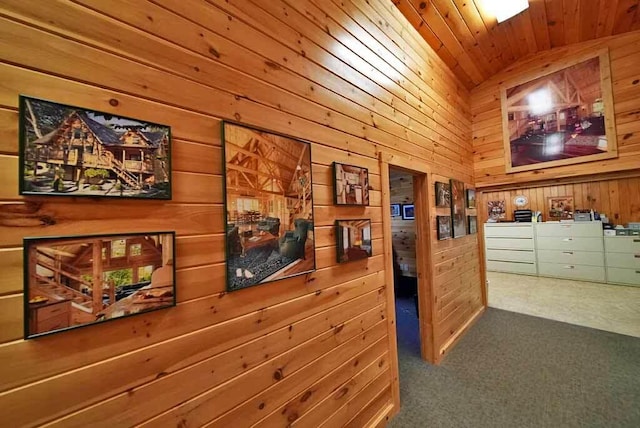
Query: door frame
point(426, 302)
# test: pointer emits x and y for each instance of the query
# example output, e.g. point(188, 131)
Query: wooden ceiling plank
point(571, 20)
point(555, 22)
point(522, 24)
point(625, 14)
point(538, 15)
point(499, 33)
point(589, 19)
point(607, 15)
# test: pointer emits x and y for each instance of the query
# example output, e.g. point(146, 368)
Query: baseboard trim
point(451, 342)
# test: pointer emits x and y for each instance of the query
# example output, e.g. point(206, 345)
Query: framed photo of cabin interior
point(353, 240)
point(73, 151)
point(268, 205)
point(458, 215)
point(563, 116)
point(75, 281)
point(350, 184)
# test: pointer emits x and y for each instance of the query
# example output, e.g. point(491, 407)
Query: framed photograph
point(350, 184)
point(564, 116)
point(353, 240)
point(408, 212)
point(444, 227)
point(72, 151)
point(496, 210)
point(74, 281)
point(443, 195)
point(395, 210)
point(458, 214)
point(472, 221)
point(268, 205)
point(471, 198)
point(561, 208)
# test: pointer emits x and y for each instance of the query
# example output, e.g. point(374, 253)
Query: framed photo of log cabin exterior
point(458, 214)
point(75, 281)
point(444, 227)
point(268, 204)
point(73, 151)
point(353, 240)
point(443, 195)
point(563, 116)
point(350, 184)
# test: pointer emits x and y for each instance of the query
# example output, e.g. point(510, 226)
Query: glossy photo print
point(353, 240)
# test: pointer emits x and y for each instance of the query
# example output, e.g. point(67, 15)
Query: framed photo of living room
point(268, 205)
point(73, 151)
point(353, 240)
point(561, 116)
point(350, 184)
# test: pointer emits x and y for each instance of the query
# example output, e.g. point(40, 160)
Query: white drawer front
point(623, 276)
point(512, 267)
point(623, 260)
point(571, 257)
point(512, 255)
point(511, 230)
point(508, 244)
point(622, 244)
point(570, 243)
point(570, 271)
point(586, 229)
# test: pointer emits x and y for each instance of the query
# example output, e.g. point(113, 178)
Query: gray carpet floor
point(514, 370)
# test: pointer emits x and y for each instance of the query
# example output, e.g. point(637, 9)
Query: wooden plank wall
point(624, 51)
point(353, 77)
point(618, 198)
point(404, 231)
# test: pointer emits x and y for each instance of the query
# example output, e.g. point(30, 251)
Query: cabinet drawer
point(622, 244)
point(508, 244)
point(51, 311)
point(508, 230)
point(512, 267)
point(623, 260)
point(585, 230)
point(53, 323)
point(570, 271)
point(570, 243)
point(512, 255)
point(623, 276)
point(571, 257)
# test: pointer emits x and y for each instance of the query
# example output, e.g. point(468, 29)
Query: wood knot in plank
point(277, 375)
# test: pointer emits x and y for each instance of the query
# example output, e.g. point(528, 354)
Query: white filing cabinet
point(571, 250)
point(509, 247)
point(623, 259)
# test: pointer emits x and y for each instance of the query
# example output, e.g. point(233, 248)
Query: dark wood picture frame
point(264, 241)
point(443, 227)
point(471, 198)
point(561, 207)
point(472, 223)
point(458, 215)
point(61, 278)
point(350, 185)
point(443, 194)
point(77, 152)
point(359, 244)
point(408, 212)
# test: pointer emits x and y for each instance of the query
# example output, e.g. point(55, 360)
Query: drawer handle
point(636, 240)
point(637, 256)
point(573, 267)
point(638, 271)
point(565, 225)
point(571, 253)
point(567, 239)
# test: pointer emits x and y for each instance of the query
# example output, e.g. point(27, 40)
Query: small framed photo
point(444, 227)
point(471, 198)
point(496, 210)
point(443, 195)
point(351, 184)
point(472, 222)
point(75, 281)
point(408, 212)
point(561, 208)
point(395, 210)
point(73, 151)
point(353, 240)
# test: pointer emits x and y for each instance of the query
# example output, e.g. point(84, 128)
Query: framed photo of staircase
point(72, 151)
point(75, 281)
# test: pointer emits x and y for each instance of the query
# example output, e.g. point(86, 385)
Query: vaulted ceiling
point(475, 46)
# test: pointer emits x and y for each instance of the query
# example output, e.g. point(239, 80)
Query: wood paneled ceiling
point(475, 46)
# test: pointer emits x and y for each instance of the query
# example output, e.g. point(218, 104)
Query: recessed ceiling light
point(505, 9)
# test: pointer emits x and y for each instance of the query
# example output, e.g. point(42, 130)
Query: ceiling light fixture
point(505, 9)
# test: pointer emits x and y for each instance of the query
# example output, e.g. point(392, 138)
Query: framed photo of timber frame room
point(350, 185)
point(562, 116)
point(73, 151)
point(76, 281)
point(268, 206)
